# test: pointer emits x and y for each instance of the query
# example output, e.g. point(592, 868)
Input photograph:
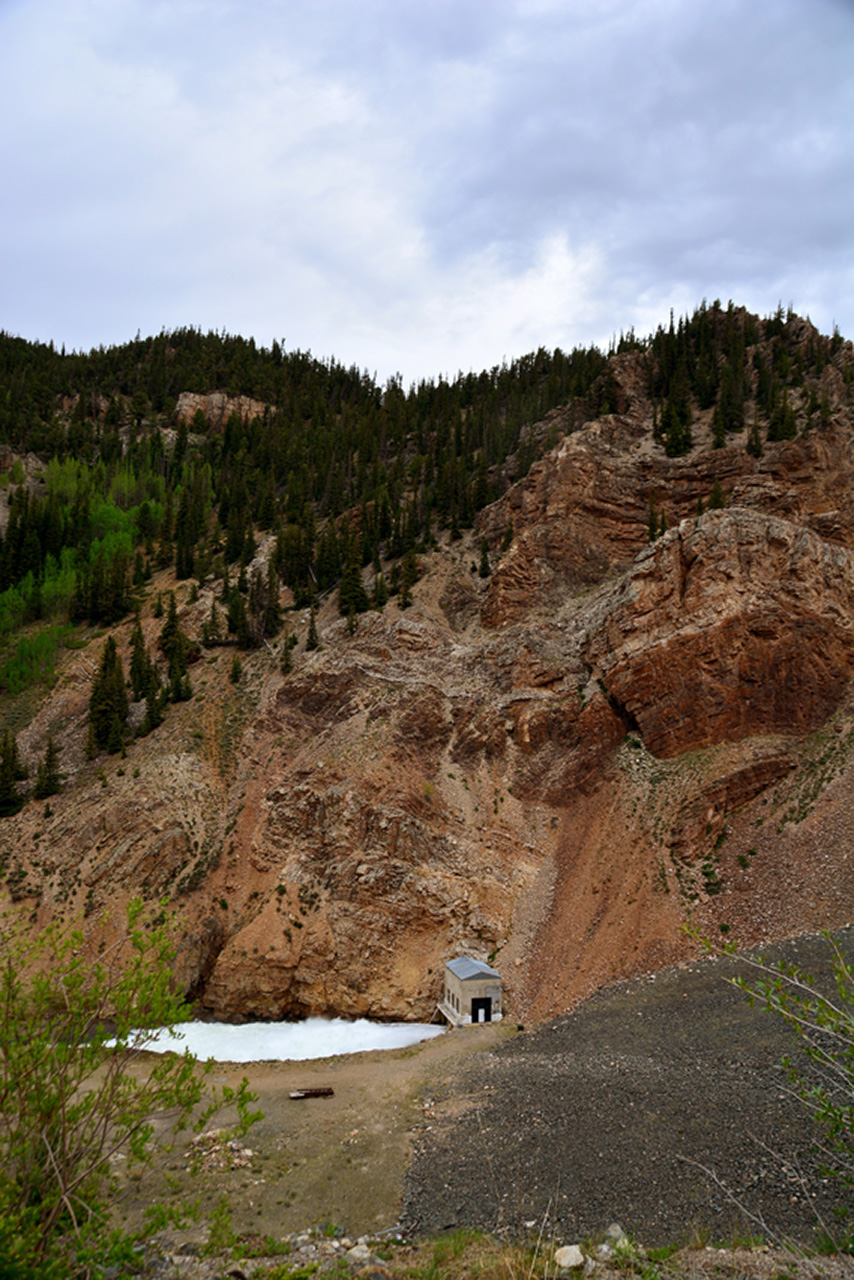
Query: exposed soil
point(605, 1114)
point(336, 1160)
point(610, 1112)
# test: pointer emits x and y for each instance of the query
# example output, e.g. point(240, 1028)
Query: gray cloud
point(421, 187)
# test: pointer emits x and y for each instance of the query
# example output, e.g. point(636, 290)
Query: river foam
point(289, 1041)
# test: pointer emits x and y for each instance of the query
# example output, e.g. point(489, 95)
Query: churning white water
point(297, 1041)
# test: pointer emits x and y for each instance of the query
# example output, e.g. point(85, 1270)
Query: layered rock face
point(734, 624)
point(549, 769)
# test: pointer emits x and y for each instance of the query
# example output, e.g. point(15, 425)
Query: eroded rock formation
point(550, 768)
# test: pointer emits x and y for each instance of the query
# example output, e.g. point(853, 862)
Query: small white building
point(472, 992)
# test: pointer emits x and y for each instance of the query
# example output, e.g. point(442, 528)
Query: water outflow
point(293, 1041)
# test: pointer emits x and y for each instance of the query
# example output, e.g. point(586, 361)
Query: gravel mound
point(609, 1112)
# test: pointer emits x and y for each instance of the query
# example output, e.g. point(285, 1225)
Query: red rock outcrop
point(731, 625)
point(549, 769)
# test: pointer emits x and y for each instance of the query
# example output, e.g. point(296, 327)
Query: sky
point(419, 187)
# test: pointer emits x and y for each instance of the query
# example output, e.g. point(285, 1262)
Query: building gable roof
point(465, 968)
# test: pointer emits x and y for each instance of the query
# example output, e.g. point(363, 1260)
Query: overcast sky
point(421, 186)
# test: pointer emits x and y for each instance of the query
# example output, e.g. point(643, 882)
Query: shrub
point(823, 1030)
point(73, 1025)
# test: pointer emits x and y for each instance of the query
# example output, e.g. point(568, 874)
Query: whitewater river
point(294, 1041)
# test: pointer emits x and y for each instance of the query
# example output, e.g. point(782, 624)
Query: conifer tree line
point(722, 358)
point(345, 473)
point(13, 772)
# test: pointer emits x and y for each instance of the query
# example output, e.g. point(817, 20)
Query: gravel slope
point(597, 1117)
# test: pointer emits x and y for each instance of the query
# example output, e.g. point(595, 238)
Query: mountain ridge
point(616, 729)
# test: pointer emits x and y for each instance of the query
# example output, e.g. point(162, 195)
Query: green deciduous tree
point(74, 1022)
point(822, 1071)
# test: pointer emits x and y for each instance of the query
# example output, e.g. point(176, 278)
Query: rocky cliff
point(552, 768)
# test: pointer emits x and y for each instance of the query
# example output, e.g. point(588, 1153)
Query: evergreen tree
point(652, 519)
point(154, 707)
point(380, 595)
point(11, 800)
point(754, 440)
point(212, 626)
point(238, 622)
point(140, 663)
point(288, 644)
point(108, 701)
point(351, 592)
point(171, 639)
point(717, 501)
point(48, 777)
point(408, 578)
point(312, 641)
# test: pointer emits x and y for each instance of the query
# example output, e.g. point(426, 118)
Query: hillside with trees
point(123, 481)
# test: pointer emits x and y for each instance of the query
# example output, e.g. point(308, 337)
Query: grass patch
point(33, 659)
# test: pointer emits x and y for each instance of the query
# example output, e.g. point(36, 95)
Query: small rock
point(616, 1234)
point(360, 1253)
point(569, 1257)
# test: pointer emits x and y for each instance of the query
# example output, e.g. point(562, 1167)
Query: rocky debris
point(612, 1255)
point(214, 1151)
point(568, 1257)
point(663, 1099)
point(315, 1249)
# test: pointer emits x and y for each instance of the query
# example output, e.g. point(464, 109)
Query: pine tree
point(48, 777)
point(212, 627)
point(312, 641)
point(154, 707)
point(11, 800)
point(171, 637)
point(484, 568)
point(380, 599)
point(108, 701)
point(238, 622)
point(287, 663)
point(408, 578)
point(754, 440)
point(140, 663)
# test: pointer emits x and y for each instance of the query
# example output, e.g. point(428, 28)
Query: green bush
point(73, 1025)
point(822, 1074)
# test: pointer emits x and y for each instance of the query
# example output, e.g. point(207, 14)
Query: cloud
point(416, 187)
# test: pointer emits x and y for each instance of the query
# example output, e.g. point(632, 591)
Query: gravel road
point(606, 1114)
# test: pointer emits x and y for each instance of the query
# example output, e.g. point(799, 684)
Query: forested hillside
point(109, 476)
point(600, 677)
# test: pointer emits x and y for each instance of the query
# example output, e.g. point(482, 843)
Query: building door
point(481, 1009)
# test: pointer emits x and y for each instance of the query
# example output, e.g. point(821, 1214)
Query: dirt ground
point(338, 1160)
point(606, 1114)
